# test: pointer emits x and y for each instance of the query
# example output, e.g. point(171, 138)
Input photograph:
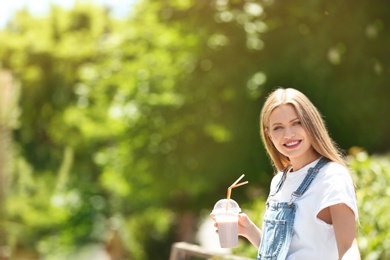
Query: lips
point(292, 144)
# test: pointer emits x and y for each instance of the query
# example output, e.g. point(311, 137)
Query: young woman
point(311, 210)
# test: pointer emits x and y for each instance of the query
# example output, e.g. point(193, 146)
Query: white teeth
point(292, 143)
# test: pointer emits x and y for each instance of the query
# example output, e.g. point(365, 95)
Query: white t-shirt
point(312, 237)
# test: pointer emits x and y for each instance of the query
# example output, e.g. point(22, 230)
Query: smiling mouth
point(292, 144)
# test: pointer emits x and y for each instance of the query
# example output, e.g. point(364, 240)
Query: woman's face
point(289, 137)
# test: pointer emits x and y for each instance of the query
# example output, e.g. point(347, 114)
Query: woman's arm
point(249, 230)
point(344, 224)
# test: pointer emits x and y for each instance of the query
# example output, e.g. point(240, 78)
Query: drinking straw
point(240, 184)
point(234, 185)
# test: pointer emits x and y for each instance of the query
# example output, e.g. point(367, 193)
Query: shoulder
point(336, 167)
point(335, 185)
point(275, 180)
point(277, 176)
point(335, 179)
point(334, 171)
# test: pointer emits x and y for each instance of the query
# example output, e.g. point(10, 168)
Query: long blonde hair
point(311, 121)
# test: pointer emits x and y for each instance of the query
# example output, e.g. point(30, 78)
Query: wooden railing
point(186, 251)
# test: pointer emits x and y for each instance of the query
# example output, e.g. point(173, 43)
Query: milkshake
point(226, 215)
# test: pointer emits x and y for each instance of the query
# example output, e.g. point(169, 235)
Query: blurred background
point(123, 122)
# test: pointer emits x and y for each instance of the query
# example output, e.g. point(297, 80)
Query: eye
point(277, 128)
point(297, 123)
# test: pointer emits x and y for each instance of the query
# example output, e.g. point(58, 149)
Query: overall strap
point(281, 181)
point(312, 173)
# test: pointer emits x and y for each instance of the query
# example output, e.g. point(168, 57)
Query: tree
point(52, 203)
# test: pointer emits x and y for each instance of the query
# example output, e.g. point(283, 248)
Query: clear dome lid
point(221, 206)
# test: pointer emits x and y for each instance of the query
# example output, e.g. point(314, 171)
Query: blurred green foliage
point(372, 177)
point(134, 126)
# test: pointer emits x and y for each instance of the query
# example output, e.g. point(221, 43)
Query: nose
point(288, 133)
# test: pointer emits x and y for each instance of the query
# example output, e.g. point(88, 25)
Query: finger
point(242, 217)
point(242, 214)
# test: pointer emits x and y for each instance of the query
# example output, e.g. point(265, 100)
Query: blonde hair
point(311, 121)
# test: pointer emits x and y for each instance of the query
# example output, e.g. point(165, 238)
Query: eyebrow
point(292, 120)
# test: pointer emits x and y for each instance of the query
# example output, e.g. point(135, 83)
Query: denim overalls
point(279, 217)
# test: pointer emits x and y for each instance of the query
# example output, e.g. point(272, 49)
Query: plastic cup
point(227, 220)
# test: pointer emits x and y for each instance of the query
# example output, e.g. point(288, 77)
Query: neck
point(299, 163)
